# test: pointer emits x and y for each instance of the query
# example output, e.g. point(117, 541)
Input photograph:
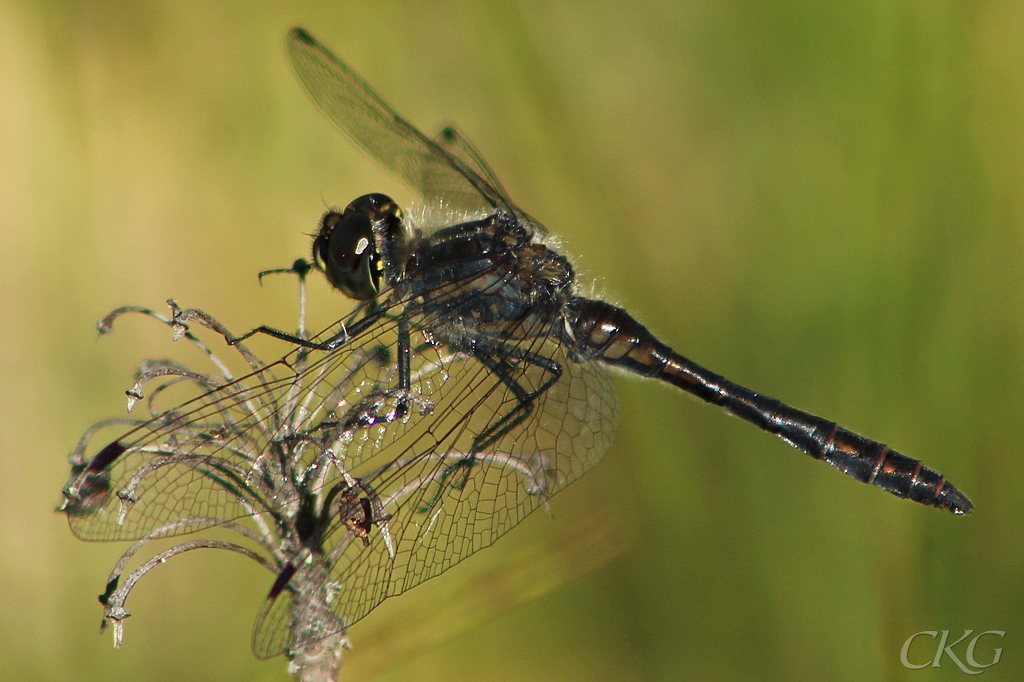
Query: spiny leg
point(495, 355)
point(347, 332)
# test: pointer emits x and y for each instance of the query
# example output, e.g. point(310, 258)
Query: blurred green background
point(822, 201)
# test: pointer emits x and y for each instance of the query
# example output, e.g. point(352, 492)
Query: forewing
point(451, 140)
point(441, 491)
point(458, 145)
point(194, 465)
point(230, 449)
point(391, 140)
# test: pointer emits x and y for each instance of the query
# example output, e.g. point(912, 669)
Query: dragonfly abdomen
point(603, 331)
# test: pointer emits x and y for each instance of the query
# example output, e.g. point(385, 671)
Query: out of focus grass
point(820, 200)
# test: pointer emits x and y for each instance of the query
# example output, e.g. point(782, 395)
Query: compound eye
point(346, 251)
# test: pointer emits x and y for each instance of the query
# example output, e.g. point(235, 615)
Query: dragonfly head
point(359, 248)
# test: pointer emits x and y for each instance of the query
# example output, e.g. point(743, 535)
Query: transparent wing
point(217, 448)
point(390, 139)
point(440, 491)
point(400, 483)
point(458, 145)
point(451, 140)
point(212, 458)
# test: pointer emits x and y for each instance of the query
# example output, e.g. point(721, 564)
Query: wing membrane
point(355, 108)
point(441, 497)
point(417, 486)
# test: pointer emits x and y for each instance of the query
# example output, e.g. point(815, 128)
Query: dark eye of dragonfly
point(348, 247)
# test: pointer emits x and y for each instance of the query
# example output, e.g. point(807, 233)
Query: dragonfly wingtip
point(302, 35)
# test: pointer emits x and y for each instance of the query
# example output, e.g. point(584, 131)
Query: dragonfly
point(470, 384)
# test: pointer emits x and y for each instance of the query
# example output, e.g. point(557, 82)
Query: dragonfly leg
point(347, 332)
point(495, 357)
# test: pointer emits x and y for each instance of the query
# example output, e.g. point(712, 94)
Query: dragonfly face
point(469, 386)
point(357, 248)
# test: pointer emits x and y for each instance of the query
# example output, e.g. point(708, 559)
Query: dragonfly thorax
point(489, 277)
